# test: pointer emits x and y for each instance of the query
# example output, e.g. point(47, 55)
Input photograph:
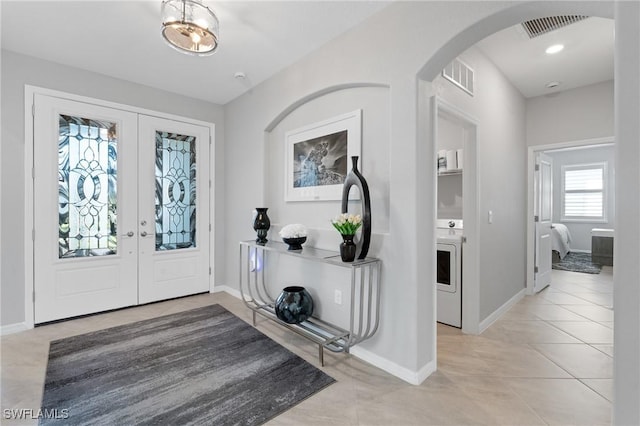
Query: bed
point(560, 239)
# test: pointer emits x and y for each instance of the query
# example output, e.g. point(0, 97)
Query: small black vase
point(294, 305)
point(348, 248)
point(261, 224)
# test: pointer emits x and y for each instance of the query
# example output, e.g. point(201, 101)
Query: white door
point(543, 203)
point(174, 209)
point(85, 250)
point(121, 208)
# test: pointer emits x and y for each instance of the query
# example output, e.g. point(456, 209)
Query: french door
point(121, 212)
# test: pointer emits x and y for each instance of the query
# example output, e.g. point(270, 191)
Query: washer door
point(446, 276)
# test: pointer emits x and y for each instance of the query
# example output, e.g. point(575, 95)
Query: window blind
point(584, 192)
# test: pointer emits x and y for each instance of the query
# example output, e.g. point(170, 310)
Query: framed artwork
point(318, 157)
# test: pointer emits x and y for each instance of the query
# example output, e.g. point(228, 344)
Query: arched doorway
point(627, 371)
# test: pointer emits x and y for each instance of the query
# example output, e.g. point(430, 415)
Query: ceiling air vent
point(537, 27)
point(459, 74)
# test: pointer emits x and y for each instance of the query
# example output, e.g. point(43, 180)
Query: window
point(583, 192)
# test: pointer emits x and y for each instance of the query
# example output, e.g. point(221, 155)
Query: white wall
point(450, 196)
point(499, 109)
point(572, 115)
point(19, 70)
point(451, 136)
point(581, 231)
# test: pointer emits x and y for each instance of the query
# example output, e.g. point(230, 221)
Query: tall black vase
point(261, 224)
point(355, 178)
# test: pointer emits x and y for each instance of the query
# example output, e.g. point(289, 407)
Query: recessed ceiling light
point(554, 49)
point(552, 84)
point(240, 75)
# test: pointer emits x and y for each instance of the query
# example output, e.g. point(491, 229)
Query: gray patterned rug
point(203, 366)
point(577, 262)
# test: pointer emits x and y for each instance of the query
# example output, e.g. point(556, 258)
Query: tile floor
point(548, 360)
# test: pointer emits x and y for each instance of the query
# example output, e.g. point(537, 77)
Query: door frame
point(29, 169)
point(470, 284)
point(531, 161)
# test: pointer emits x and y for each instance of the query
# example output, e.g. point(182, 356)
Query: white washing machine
point(449, 272)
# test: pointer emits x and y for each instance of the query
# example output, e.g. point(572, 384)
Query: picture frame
point(318, 157)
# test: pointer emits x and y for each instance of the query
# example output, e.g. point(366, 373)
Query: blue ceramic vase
point(294, 305)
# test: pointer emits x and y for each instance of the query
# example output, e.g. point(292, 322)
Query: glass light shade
point(189, 26)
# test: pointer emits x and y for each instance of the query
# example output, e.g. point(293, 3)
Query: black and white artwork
point(320, 161)
point(318, 157)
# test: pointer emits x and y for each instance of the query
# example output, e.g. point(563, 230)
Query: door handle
point(143, 234)
point(129, 234)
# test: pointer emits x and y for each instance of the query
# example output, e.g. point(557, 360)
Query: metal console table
point(364, 301)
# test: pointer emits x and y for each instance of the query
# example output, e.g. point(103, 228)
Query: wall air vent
point(537, 27)
point(460, 74)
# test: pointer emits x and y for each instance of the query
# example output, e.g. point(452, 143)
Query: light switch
point(490, 216)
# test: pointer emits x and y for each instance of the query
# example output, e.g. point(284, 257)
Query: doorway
point(457, 203)
point(594, 204)
point(120, 208)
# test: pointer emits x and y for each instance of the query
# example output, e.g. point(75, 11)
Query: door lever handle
point(143, 234)
point(129, 234)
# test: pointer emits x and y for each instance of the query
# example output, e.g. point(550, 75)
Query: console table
point(364, 304)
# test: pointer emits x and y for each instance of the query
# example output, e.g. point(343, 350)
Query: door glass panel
point(175, 199)
point(87, 187)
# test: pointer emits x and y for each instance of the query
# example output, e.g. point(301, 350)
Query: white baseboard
point(232, 291)
point(409, 376)
point(13, 328)
point(486, 323)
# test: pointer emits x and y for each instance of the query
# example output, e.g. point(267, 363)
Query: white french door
point(120, 208)
point(173, 205)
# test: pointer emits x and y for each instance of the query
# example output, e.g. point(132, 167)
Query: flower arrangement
point(295, 230)
point(347, 224)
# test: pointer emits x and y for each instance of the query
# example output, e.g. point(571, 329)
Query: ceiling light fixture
point(554, 49)
point(552, 84)
point(189, 27)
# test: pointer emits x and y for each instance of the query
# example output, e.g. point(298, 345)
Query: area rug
point(203, 366)
point(577, 262)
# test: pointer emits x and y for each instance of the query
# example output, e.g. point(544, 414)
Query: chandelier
point(189, 27)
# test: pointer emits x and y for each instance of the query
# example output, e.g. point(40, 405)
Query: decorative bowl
point(294, 243)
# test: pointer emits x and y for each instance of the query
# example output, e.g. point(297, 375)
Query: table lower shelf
point(322, 333)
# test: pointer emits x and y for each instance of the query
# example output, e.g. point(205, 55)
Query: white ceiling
point(587, 57)
point(122, 39)
point(259, 38)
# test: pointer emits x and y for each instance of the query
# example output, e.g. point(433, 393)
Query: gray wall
point(626, 296)
point(499, 109)
point(404, 341)
point(581, 231)
point(569, 116)
point(19, 70)
point(572, 115)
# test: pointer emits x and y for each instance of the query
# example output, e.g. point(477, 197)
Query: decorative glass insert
point(87, 187)
point(175, 191)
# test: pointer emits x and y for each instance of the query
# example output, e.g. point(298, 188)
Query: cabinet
point(364, 301)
